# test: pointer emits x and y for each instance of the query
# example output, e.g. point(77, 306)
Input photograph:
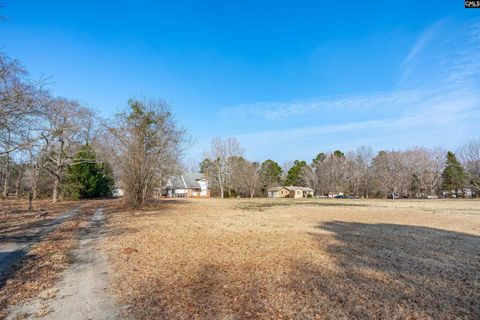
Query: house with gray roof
point(187, 185)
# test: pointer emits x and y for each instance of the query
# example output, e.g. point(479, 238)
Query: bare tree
point(64, 133)
point(387, 169)
point(246, 177)
point(422, 170)
point(329, 172)
point(311, 177)
point(221, 162)
point(336, 166)
point(149, 147)
point(470, 157)
point(362, 164)
point(316, 174)
point(18, 111)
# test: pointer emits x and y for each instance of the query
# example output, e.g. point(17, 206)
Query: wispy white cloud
point(449, 71)
point(447, 109)
point(443, 105)
point(422, 41)
point(282, 110)
point(427, 36)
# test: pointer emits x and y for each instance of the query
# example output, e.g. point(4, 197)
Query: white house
point(187, 185)
point(117, 192)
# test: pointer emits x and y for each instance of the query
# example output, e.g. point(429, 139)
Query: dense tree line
point(45, 141)
point(56, 147)
point(415, 172)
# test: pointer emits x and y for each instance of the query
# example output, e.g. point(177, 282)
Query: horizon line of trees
point(56, 147)
point(414, 172)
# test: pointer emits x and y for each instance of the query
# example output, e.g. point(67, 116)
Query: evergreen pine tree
point(453, 174)
point(86, 178)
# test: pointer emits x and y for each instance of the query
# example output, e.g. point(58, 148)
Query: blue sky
point(287, 78)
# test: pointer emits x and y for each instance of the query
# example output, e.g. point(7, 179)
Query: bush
point(87, 178)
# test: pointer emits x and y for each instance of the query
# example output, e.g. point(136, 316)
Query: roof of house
point(295, 188)
point(186, 180)
point(274, 189)
point(289, 188)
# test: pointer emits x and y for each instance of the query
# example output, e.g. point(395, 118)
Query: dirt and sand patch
point(236, 259)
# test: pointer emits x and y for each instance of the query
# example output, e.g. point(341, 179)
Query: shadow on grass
point(369, 271)
point(393, 271)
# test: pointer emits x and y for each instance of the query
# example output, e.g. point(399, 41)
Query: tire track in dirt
point(13, 249)
point(84, 291)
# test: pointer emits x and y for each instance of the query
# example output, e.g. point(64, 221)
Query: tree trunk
point(221, 191)
point(56, 183)
point(56, 177)
point(19, 183)
point(6, 176)
point(7, 166)
point(34, 186)
point(30, 198)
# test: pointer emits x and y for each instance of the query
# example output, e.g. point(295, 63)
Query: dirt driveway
point(16, 241)
point(83, 292)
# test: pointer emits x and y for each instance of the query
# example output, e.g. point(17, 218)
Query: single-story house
point(188, 185)
point(290, 192)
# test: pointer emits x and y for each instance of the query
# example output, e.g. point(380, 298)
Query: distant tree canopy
point(270, 174)
point(470, 156)
point(453, 174)
point(205, 166)
point(220, 163)
point(338, 154)
point(295, 174)
point(319, 158)
point(87, 178)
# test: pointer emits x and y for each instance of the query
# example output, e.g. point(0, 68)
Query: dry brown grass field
point(298, 259)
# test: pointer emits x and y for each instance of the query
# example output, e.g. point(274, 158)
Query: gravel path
point(83, 292)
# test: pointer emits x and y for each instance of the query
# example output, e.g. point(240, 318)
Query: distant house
point(117, 192)
point(188, 185)
point(290, 192)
